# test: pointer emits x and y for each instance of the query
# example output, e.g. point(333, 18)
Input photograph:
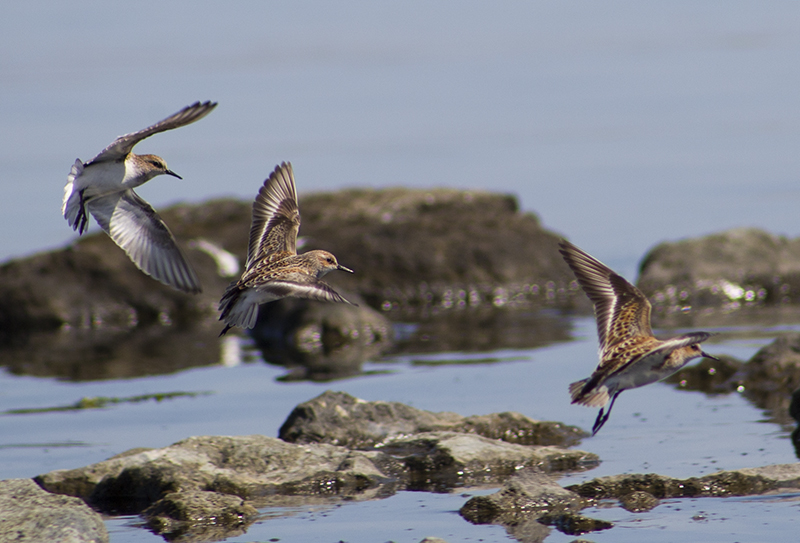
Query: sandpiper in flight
point(274, 270)
point(630, 356)
point(104, 186)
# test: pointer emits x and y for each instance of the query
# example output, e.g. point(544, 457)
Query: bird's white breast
point(644, 371)
point(101, 178)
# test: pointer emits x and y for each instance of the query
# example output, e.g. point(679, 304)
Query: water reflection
point(89, 355)
point(484, 329)
point(317, 342)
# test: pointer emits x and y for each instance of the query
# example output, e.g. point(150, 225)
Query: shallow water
point(656, 429)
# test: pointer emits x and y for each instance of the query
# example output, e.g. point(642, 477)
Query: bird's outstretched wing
point(311, 289)
point(120, 147)
point(136, 227)
point(621, 310)
point(276, 218)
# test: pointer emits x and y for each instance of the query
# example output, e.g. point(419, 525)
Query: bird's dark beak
point(340, 267)
point(706, 355)
point(173, 174)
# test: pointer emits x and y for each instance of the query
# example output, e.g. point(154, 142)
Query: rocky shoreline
point(436, 270)
point(337, 448)
point(467, 268)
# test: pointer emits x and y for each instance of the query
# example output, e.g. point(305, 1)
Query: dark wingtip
point(225, 330)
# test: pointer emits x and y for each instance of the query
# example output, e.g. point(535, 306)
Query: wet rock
point(742, 482)
point(407, 247)
point(320, 341)
point(729, 270)
point(533, 495)
point(199, 516)
point(778, 362)
point(341, 419)
point(523, 499)
point(638, 501)
point(30, 514)
point(441, 461)
point(422, 248)
point(206, 487)
point(244, 466)
point(416, 253)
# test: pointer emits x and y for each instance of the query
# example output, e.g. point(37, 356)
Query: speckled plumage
point(630, 356)
point(104, 187)
point(274, 270)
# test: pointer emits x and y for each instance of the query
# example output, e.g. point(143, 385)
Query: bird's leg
point(601, 417)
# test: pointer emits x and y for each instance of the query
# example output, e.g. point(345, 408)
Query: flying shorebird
point(274, 270)
point(104, 186)
point(630, 356)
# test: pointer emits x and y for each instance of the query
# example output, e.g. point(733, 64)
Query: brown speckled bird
point(630, 356)
point(274, 270)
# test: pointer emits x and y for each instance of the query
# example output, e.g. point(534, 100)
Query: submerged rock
point(30, 514)
point(341, 419)
point(729, 270)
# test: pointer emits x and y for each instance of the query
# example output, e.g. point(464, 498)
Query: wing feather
point(120, 147)
point(621, 310)
point(136, 227)
point(276, 217)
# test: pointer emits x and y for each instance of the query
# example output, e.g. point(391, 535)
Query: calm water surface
point(621, 124)
point(658, 429)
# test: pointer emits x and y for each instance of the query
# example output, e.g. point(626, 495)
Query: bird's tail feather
point(235, 310)
point(596, 397)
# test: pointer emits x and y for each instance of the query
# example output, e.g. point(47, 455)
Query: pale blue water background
point(621, 124)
